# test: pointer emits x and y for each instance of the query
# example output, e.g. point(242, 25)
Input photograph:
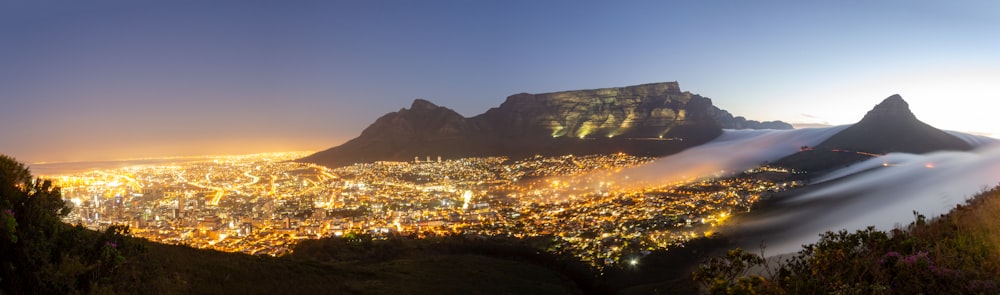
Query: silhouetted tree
point(43, 255)
point(30, 212)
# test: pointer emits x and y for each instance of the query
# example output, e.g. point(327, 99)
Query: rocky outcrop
point(651, 119)
point(643, 111)
point(649, 110)
point(893, 108)
point(422, 120)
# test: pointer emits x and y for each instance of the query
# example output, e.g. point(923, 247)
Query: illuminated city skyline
point(263, 204)
point(121, 79)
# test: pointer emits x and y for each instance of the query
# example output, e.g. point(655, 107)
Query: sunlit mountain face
point(654, 119)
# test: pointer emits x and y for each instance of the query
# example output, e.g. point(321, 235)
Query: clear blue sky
point(88, 80)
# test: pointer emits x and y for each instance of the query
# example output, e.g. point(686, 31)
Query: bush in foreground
point(43, 255)
point(952, 254)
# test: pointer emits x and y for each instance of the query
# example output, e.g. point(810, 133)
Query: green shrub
point(952, 254)
point(43, 255)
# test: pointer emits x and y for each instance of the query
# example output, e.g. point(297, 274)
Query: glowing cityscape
point(263, 204)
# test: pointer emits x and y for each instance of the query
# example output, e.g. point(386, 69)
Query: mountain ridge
point(653, 119)
point(889, 127)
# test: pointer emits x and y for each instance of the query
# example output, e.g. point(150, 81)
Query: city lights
point(264, 204)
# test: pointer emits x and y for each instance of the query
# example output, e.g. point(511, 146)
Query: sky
point(101, 80)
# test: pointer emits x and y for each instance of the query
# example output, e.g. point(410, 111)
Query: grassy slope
point(166, 269)
point(955, 253)
point(967, 238)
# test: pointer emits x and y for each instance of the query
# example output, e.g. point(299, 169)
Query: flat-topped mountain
point(651, 120)
point(890, 127)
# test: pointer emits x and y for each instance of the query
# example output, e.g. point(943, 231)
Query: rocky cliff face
point(649, 110)
point(650, 119)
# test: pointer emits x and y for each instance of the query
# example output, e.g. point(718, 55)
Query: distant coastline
point(44, 169)
point(64, 168)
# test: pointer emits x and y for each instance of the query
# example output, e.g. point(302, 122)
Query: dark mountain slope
point(890, 127)
point(651, 120)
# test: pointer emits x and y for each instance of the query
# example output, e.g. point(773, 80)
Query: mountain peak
point(894, 99)
point(422, 104)
point(892, 127)
point(893, 107)
point(650, 120)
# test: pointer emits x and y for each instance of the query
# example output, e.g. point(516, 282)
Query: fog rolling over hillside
point(733, 151)
point(882, 191)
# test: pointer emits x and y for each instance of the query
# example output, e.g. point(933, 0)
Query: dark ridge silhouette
point(890, 127)
point(647, 120)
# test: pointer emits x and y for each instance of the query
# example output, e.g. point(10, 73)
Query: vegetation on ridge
point(43, 255)
point(955, 253)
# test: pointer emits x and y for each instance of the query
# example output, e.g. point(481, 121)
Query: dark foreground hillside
point(167, 269)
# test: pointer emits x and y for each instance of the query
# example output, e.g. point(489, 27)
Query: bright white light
point(468, 197)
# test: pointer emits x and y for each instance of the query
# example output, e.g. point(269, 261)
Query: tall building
point(180, 205)
point(198, 200)
point(118, 206)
